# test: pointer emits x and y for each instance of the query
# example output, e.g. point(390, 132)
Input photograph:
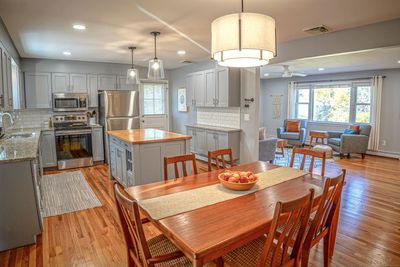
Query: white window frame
point(353, 99)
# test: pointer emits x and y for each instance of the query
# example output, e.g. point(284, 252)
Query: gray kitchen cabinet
point(204, 140)
point(97, 144)
point(218, 87)
point(107, 82)
point(199, 89)
point(92, 85)
point(2, 100)
point(77, 83)
point(210, 90)
point(48, 149)
point(122, 85)
point(60, 82)
point(227, 92)
point(38, 90)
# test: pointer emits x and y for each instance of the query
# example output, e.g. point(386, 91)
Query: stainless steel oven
point(74, 148)
point(67, 102)
point(73, 140)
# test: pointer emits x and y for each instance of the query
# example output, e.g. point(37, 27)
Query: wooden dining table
point(207, 233)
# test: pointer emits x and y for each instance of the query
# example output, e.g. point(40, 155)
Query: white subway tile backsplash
point(225, 117)
point(31, 118)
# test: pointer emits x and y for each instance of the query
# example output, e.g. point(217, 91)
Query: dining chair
point(141, 252)
point(308, 152)
point(219, 157)
point(179, 159)
point(293, 217)
point(324, 224)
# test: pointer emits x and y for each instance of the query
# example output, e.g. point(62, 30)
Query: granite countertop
point(215, 128)
point(144, 136)
point(20, 149)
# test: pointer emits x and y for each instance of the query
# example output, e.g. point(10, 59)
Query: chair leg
point(363, 155)
point(348, 155)
point(219, 262)
point(283, 151)
point(131, 262)
point(341, 156)
point(326, 249)
point(304, 258)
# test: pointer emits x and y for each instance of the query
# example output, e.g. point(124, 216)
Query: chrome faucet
point(2, 126)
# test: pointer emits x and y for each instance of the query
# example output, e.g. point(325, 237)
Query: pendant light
point(156, 69)
point(132, 75)
point(243, 39)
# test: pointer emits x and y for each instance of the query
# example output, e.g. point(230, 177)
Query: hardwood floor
point(369, 226)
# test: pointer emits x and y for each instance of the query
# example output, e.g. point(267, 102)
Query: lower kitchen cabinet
point(97, 144)
point(136, 164)
point(204, 140)
point(48, 149)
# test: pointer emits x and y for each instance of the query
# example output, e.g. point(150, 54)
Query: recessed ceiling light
point(321, 69)
point(80, 27)
point(266, 74)
point(66, 53)
point(398, 61)
point(181, 52)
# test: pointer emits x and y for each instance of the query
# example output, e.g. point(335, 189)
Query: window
point(16, 91)
point(343, 102)
point(153, 97)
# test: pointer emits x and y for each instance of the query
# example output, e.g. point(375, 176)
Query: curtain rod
point(338, 80)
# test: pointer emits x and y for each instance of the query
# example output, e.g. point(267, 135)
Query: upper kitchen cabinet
point(121, 84)
point(107, 82)
point(38, 90)
point(214, 88)
point(69, 83)
point(92, 85)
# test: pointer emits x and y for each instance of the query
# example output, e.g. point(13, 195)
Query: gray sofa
point(295, 139)
point(350, 143)
point(267, 146)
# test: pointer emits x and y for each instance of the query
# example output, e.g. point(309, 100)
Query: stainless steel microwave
point(66, 102)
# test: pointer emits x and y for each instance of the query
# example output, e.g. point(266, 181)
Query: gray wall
point(8, 44)
point(177, 79)
point(390, 116)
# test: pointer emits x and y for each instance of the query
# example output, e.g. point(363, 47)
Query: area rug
point(285, 160)
point(67, 192)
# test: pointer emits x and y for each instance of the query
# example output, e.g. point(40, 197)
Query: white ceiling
point(381, 58)
point(43, 28)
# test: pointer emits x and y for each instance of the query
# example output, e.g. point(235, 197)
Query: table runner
point(176, 203)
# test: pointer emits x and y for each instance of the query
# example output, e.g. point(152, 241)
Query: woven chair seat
point(160, 245)
point(248, 255)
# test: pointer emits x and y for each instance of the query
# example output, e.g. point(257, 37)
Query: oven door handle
point(72, 132)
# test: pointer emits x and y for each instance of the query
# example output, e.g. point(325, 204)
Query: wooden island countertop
point(145, 136)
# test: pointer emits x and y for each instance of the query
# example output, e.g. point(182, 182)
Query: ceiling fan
point(287, 73)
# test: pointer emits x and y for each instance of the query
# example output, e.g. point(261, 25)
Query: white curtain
point(376, 112)
point(291, 101)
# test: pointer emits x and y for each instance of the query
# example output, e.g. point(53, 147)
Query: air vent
point(317, 30)
point(186, 62)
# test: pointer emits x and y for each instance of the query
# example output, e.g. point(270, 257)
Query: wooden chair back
point(285, 247)
point(179, 159)
point(324, 221)
point(313, 154)
point(219, 157)
point(128, 211)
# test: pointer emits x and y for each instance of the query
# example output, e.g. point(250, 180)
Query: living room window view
point(236, 133)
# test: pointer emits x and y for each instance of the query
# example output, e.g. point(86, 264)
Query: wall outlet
point(246, 117)
point(384, 142)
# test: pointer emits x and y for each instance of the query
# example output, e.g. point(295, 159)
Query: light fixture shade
point(243, 40)
point(156, 69)
point(132, 76)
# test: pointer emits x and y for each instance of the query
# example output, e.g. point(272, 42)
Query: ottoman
point(324, 148)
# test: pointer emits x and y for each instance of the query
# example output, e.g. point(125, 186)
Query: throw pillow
point(293, 126)
point(355, 127)
point(349, 131)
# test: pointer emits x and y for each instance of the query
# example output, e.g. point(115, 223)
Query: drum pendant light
point(156, 69)
point(243, 39)
point(132, 75)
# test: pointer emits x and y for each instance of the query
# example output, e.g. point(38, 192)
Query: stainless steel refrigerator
point(118, 110)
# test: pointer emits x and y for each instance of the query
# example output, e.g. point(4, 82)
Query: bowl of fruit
point(238, 180)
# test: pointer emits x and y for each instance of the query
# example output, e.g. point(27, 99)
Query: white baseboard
point(384, 154)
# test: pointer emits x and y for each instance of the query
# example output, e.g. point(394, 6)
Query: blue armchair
point(295, 139)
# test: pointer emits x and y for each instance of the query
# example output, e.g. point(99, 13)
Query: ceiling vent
point(186, 62)
point(317, 30)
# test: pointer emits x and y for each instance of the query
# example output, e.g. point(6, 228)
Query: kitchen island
point(137, 155)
